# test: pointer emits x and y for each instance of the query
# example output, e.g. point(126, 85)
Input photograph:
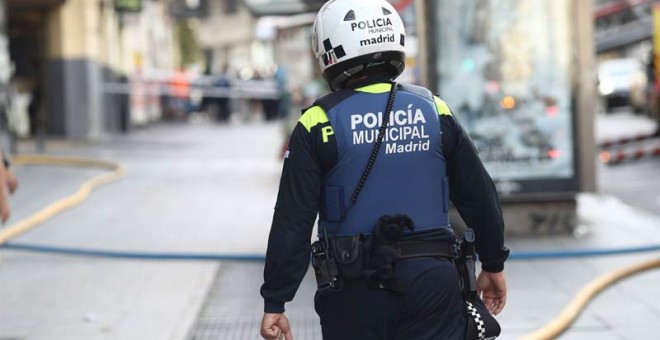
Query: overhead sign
point(128, 5)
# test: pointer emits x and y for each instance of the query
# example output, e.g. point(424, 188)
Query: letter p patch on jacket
point(327, 131)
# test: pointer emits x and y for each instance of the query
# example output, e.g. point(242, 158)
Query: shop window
point(506, 71)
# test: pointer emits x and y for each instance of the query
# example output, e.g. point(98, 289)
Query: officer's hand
point(492, 289)
point(274, 326)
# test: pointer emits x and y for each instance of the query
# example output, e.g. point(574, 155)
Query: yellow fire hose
point(29, 223)
point(549, 331)
point(560, 323)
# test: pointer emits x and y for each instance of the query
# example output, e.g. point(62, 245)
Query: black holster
point(480, 323)
point(325, 267)
point(465, 261)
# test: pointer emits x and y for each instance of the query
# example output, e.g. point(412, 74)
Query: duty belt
point(435, 248)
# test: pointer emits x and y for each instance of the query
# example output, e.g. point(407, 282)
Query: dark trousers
point(430, 309)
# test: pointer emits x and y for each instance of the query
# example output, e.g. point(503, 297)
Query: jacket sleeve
point(288, 254)
point(473, 194)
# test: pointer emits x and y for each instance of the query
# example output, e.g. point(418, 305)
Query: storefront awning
point(283, 7)
point(287, 7)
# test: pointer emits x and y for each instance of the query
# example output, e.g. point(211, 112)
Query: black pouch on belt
point(349, 256)
point(382, 246)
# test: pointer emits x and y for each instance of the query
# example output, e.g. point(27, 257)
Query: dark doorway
point(26, 33)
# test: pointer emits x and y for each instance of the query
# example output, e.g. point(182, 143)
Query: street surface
point(636, 182)
point(188, 188)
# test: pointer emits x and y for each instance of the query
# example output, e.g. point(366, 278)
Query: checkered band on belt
point(474, 313)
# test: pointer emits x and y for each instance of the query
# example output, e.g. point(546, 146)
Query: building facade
point(227, 35)
point(623, 29)
point(66, 54)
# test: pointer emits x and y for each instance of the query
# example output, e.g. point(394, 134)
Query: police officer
point(382, 203)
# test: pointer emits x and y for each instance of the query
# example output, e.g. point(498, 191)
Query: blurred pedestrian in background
point(271, 105)
point(179, 94)
point(219, 103)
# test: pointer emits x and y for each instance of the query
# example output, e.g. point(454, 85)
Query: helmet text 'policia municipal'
point(350, 36)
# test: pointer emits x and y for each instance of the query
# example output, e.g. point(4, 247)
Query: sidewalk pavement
point(199, 187)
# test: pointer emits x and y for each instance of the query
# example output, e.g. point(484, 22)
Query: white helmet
point(353, 35)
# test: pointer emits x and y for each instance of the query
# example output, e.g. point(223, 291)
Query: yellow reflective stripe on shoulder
point(375, 88)
point(443, 108)
point(314, 116)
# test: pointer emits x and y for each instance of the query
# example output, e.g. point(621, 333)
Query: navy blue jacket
point(316, 160)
